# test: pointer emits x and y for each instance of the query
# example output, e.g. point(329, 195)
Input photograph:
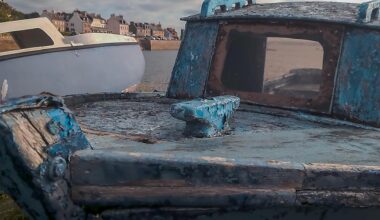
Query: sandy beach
point(284, 55)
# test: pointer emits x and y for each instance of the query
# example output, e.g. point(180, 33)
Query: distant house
point(140, 29)
point(80, 22)
point(157, 30)
point(98, 24)
point(171, 34)
point(117, 25)
point(83, 22)
point(58, 19)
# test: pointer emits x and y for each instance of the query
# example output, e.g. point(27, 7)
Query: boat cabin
point(272, 112)
point(319, 57)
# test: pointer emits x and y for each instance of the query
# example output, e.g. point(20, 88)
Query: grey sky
point(167, 12)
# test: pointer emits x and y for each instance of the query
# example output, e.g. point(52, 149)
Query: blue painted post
point(358, 92)
point(209, 6)
point(206, 117)
point(191, 69)
point(369, 11)
point(38, 135)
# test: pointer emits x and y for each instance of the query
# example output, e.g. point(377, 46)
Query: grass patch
point(9, 209)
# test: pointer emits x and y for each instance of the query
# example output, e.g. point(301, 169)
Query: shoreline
point(152, 45)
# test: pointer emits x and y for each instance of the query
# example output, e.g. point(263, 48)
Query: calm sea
point(158, 69)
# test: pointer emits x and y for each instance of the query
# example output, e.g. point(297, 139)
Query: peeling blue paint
point(206, 117)
point(44, 114)
point(209, 6)
point(29, 102)
point(192, 66)
point(357, 96)
point(69, 145)
point(366, 11)
point(62, 124)
point(72, 139)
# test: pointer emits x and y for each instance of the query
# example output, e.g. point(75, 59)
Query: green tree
point(7, 13)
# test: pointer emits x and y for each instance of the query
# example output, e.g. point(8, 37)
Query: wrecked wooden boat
point(246, 130)
point(43, 60)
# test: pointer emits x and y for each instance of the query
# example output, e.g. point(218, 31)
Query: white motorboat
point(46, 61)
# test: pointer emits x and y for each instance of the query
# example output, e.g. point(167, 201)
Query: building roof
point(52, 15)
point(334, 12)
point(156, 27)
point(93, 16)
point(141, 25)
point(119, 18)
point(84, 16)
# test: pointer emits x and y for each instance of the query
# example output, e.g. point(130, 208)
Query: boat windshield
point(24, 39)
point(277, 64)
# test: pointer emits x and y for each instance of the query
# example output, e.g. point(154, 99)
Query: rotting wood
point(341, 177)
point(93, 196)
point(31, 144)
point(138, 138)
point(35, 157)
point(339, 198)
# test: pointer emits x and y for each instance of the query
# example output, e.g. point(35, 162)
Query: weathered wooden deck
point(147, 127)
point(277, 159)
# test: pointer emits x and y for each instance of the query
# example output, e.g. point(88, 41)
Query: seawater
point(158, 70)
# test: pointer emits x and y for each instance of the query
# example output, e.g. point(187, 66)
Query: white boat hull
point(107, 68)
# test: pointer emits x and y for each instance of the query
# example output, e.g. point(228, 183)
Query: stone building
point(117, 25)
point(140, 29)
point(83, 22)
point(157, 31)
point(98, 24)
point(171, 34)
point(80, 22)
point(60, 20)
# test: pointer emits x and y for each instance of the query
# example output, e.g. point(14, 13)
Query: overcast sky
point(167, 12)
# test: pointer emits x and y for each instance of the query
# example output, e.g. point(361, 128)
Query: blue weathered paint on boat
point(193, 61)
point(209, 6)
point(206, 117)
point(369, 11)
point(358, 93)
point(45, 135)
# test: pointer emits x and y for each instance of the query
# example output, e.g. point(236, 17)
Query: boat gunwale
point(262, 14)
point(53, 49)
point(250, 18)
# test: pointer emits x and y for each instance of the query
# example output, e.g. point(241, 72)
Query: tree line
point(8, 13)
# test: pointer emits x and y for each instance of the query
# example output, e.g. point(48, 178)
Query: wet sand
point(284, 55)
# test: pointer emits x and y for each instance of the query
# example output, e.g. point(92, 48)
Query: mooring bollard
point(206, 117)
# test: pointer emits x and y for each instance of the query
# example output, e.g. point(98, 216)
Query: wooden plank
point(94, 196)
point(39, 120)
point(122, 168)
point(341, 177)
point(191, 68)
point(339, 198)
point(30, 143)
